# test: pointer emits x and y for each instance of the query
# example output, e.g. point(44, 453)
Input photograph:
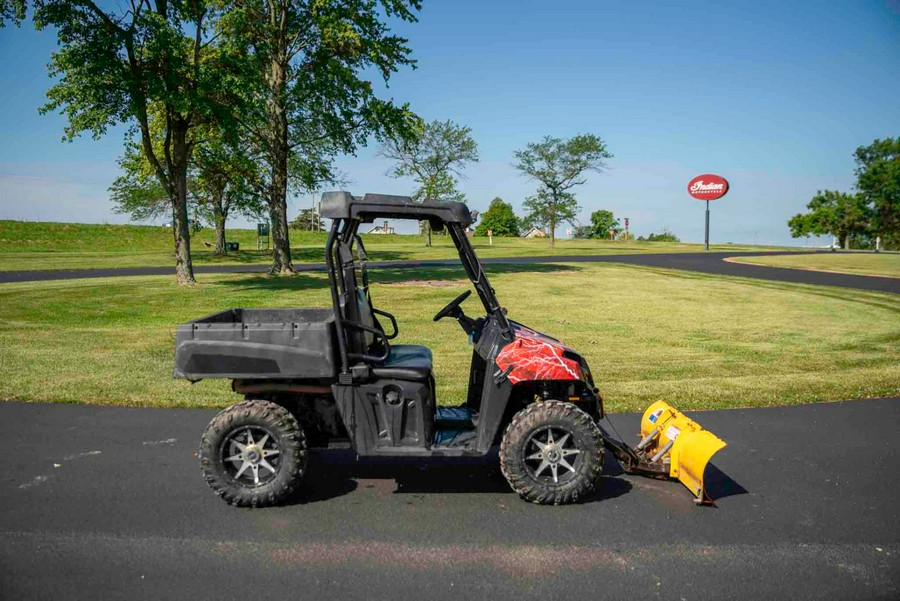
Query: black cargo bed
point(258, 344)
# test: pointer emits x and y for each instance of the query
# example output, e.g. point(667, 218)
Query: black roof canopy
point(343, 205)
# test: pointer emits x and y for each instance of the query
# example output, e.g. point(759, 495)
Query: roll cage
point(347, 283)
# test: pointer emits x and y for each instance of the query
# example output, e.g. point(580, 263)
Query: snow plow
point(671, 446)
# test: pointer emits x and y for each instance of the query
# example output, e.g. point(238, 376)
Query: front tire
point(552, 453)
point(253, 454)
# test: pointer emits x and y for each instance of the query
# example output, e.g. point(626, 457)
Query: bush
point(664, 236)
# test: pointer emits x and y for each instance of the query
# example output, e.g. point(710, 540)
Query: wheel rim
point(552, 455)
point(251, 455)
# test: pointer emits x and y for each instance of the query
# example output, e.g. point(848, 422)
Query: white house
point(535, 232)
point(381, 229)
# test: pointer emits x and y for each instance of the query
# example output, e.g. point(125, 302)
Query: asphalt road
point(108, 503)
point(711, 262)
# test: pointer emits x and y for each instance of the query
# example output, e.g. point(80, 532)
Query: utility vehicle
point(332, 377)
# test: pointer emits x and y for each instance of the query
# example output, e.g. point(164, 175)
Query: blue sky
point(774, 96)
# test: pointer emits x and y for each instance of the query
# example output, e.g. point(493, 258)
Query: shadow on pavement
point(720, 485)
point(335, 473)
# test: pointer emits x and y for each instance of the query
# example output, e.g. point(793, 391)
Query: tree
point(434, 156)
point(559, 165)
point(500, 219)
point(137, 192)
point(601, 222)
point(547, 211)
point(113, 63)
point(222, 176)
point(218, 178)
point(312, 97)
point(836, 213)
point(878, 181)
point(581, 232)
point(308, 220)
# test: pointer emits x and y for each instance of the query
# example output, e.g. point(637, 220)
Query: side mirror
point(436, 225)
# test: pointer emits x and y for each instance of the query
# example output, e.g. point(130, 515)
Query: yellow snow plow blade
point(667, 435)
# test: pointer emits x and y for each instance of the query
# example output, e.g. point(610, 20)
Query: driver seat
point(406, 362)
point(411, 362)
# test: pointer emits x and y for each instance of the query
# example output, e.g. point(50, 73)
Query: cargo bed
point(297, 343)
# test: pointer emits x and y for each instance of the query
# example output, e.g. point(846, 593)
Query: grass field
point(699, 341)
point(49, 246)
point(883, 264)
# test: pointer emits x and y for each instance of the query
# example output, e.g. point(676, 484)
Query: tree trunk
point(281, 245)
point(184, 269)
point(219, 218)
point(847, 242)
point(426, 225)
point(552, 231)
point(279, 155)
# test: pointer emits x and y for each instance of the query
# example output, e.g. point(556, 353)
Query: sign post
point(706, 234)
point(262, 231)
point(707, 187)
point(490, 237)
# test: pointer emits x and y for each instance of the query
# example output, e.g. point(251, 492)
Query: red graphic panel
point(534, 356)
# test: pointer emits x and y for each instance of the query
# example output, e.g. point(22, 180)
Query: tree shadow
point(303, 254)
point(391, 275)
point(202, 257)
point(382, 275)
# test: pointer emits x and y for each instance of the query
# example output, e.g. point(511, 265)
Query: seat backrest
point(366, 317)
point(355, 306)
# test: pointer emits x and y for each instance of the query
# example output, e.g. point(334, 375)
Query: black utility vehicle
point(331, 377)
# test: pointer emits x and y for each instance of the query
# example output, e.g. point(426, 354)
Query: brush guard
point(672, 446)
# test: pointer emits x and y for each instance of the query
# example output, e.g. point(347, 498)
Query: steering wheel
point(454, 304)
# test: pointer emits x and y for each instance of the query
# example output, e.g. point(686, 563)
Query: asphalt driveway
point(104, 502)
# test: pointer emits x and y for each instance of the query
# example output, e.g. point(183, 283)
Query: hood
point(534, 356)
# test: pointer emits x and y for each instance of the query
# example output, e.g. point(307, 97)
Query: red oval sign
point(707, 187)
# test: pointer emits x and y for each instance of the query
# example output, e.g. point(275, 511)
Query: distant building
point(535, 232)
point(381, 229)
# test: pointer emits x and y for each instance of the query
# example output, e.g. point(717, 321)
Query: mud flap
point(670, 437)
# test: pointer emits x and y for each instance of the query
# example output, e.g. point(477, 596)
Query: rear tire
point(253, 454)
point(552, 453)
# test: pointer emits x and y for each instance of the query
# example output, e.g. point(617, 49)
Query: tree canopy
point(559, 165)
point(434, 156)
point(874, 211)
point(500, 219)
point(878, 182)
point(114, 62)
point(308, 95)
point(601, 222)
point(308, 220)
point(290, 78)
point(546, 211)
point(845, 216)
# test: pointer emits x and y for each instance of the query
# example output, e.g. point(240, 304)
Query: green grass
point(696, 340)
point(881, 264)
point(50, 246)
